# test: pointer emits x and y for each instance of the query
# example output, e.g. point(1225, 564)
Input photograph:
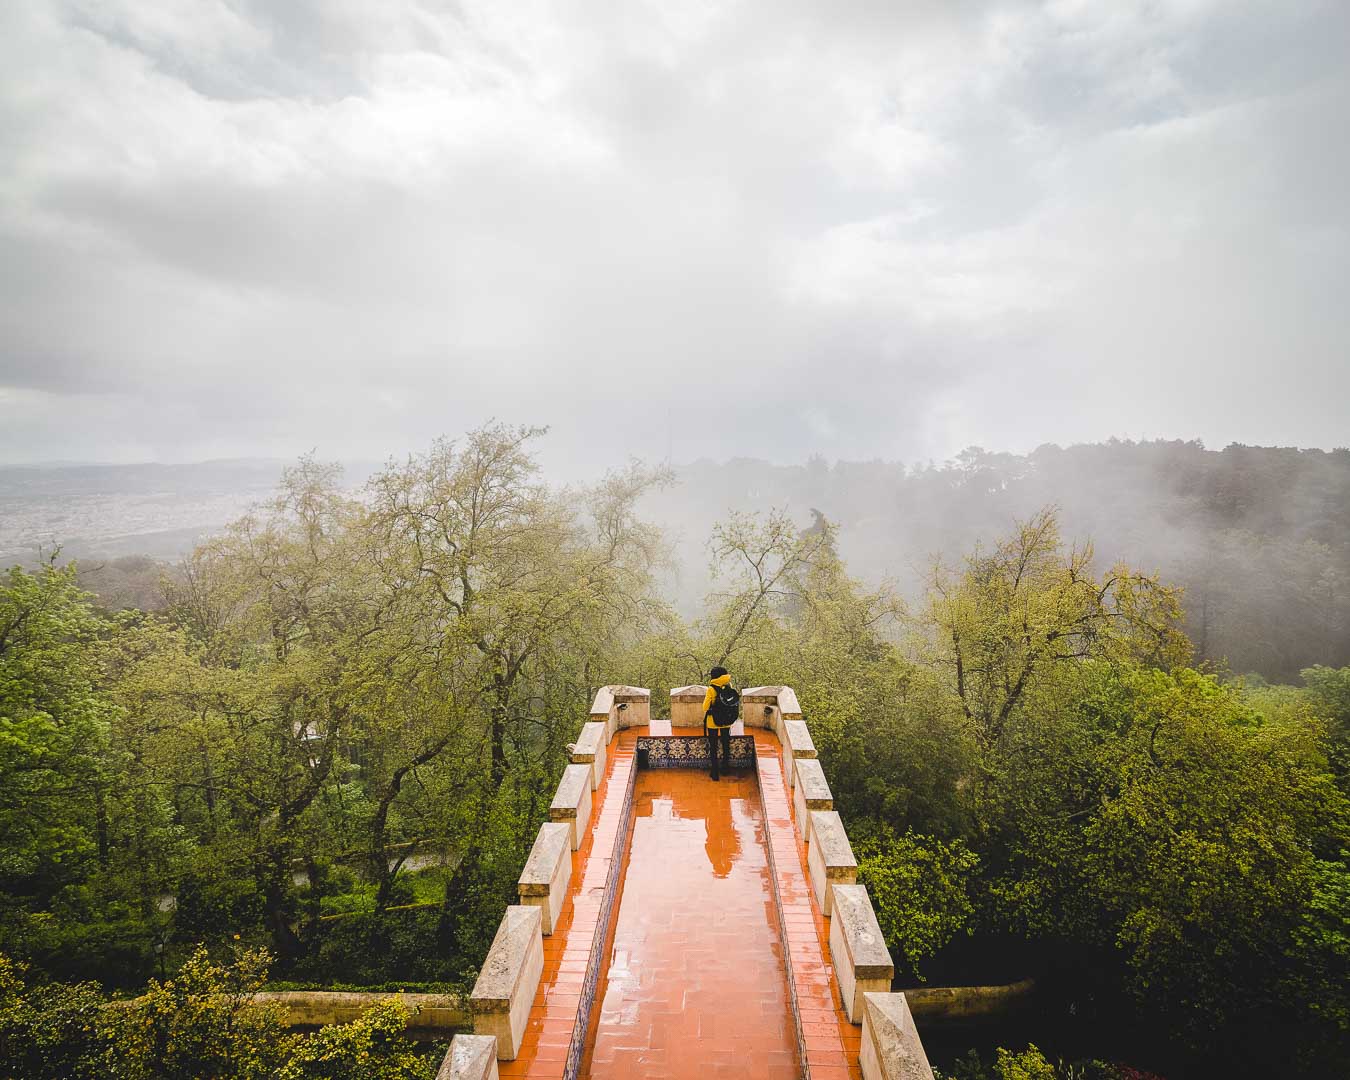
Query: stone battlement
point(562, 993)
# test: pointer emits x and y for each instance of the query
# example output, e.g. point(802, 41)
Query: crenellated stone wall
point(619, 707)
point(507, 985)
point(863, 969)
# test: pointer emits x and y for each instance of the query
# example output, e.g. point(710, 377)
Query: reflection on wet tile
point(696, 985)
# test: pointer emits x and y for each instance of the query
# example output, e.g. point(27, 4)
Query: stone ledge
point(768, 707)
point(783, 698)
point(829, 860)
point(548, 870)
point(811, 792)
point(470, 1057)
point(759, 708)
point(857, 949)
point(572, 803)
point(315, 1008)
point(604, 701)
point(509, 978)
point(799, 739)
point(589, 749)
point(795, 739)
point(686, 706)
point(632, 706)
point(603, 712)
point(619, 707)
point(891, 1049)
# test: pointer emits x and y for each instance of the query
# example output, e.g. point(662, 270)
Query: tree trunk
point(499, 709)
point(275, 890)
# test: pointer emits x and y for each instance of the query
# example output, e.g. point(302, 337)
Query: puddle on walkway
point(696, 986)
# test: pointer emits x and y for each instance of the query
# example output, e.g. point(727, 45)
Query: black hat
point(717, 672)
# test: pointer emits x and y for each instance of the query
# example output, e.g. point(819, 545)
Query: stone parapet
point(470, 1057)
point(508, 980)
point(795, 738)
point(589, 749)
point(759, 707)
point(572, 803)
point(316, 1008)
point(633, 705)
point(891, 1049)
point(858, 952)
point(603, 712)
point(686, 706)
point(619, 707)
point(787, 703)
point(768, 706)
point(811, 792)
point(829, 859)
point(548, 870)
point(962, 1003)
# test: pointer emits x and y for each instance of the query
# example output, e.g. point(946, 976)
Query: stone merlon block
point(604, 701)
point(572, 803)
point(829, 859)
point(632, 705)
point(622, 707)
point(768, 706)
point(811, 792)
point(590, 750)
point(507, 983)
point(686, 706)
point(795, 738)
point(470, 1057)
point(891, 1049)
point(799, 738)
point(858, 952)
point(548, 870)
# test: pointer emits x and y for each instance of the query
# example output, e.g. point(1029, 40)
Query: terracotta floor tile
point(695, 985)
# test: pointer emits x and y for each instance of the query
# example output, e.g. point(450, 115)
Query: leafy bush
point(919, 886)
point(116, 954)
point(203, 1022)
point(376, 1036)
point(48, 1031)
point(1029, 1064)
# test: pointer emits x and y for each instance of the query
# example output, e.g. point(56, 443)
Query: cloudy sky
point(868, 228)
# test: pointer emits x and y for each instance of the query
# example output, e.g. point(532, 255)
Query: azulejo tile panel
point(690, 752)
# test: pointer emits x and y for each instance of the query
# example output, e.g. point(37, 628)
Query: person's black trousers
point(726, 748)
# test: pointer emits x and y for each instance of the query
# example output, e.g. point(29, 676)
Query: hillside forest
point(1086, 713)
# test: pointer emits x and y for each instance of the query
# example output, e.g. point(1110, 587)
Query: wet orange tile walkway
point(696, 985)
point(831, 1042)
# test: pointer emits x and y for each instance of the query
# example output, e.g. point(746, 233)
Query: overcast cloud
point(867, 228)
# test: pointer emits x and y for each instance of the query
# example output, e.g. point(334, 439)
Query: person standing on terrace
point(721, 709)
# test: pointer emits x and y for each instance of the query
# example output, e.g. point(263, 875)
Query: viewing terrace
point(674, 926)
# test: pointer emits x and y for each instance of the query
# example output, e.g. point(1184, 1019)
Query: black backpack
point(726, 707)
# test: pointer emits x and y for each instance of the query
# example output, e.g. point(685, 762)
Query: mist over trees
point(1257, 538)
point(336, 737)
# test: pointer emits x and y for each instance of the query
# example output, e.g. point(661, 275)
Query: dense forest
point(1258, 538)
point(329, 747)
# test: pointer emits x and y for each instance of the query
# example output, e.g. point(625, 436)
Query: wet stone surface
point(814, 787)
point(866, 946)
point(799, 738)
point(827, 830)
point(576, 780)
point(696, 985)
point(550, 846)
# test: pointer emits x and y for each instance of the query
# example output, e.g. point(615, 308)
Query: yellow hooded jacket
point(710, 695)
